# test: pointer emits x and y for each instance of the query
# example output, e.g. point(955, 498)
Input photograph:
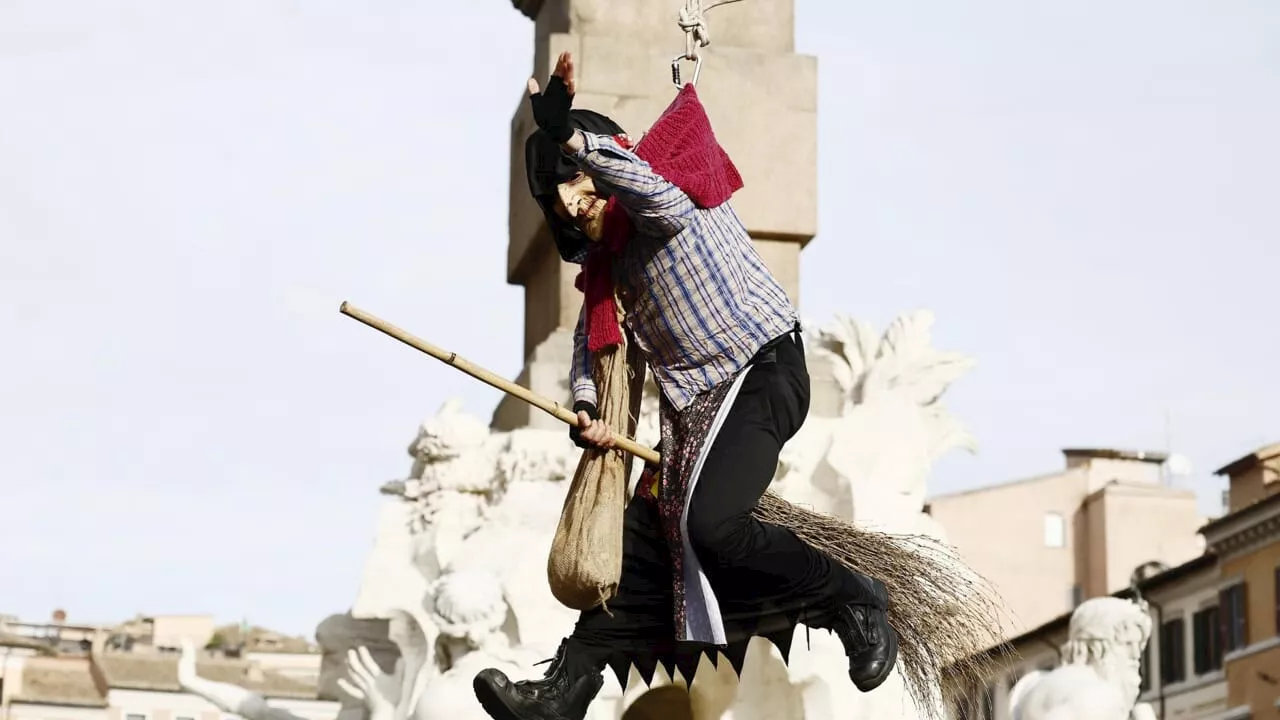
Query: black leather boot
point(564, 693)
point(868, 639)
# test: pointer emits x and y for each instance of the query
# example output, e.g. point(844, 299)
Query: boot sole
point(493, 703)
point(878, 680)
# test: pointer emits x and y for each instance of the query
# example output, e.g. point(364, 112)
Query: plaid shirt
point(699, 300)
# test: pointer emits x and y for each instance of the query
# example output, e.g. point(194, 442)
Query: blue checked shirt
point(698, 298)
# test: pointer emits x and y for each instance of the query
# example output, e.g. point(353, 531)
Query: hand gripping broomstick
point(555, 409)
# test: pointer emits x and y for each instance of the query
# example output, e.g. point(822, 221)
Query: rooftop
point(1260, 510)
point(60, 681)
point(129, 671)
point(1261, 455)
point(1155, 458)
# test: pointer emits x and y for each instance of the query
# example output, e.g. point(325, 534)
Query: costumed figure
point(662, 249)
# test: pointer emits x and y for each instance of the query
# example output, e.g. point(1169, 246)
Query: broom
point(946, 616)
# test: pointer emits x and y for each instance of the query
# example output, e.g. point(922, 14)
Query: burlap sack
point(585, 563)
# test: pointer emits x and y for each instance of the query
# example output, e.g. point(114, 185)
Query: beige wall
point(171, 630)
point(29, 711)
point(1003, 533)
point(304, 666)
point(1247, 683)
point(1258, 483)
point(1166, 532)
point(1000, 532)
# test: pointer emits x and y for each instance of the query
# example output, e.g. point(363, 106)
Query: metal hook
point(675, 69)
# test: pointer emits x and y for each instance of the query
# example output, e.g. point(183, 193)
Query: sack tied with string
point(585, 564)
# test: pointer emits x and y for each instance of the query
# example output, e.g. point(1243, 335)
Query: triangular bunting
point(736, 654)
point(687, 661)
point(782, 640)
point(669, 664)
point(646, 664)
point(621, 666)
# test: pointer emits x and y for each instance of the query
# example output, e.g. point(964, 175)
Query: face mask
point(580, 204)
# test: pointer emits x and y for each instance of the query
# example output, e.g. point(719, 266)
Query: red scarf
point(682, 148)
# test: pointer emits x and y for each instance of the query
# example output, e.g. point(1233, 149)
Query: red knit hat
point(682, 148)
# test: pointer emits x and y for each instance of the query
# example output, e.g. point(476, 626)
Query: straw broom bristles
point(946, 616)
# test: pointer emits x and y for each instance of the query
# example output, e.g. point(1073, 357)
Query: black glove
point(575, 432)
point(551, 110)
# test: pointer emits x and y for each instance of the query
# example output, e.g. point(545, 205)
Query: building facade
point(129, 671)
point(1068, 536)
point(1247, 542)
point(1214, 652)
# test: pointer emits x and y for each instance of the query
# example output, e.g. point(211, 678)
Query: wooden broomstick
point(555, 409)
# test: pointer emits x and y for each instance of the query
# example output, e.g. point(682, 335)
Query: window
point(1055, 530)
point(1144, 670)
point(1278, 600)
point(1233, 624)
point(1173, 651)
point(1206, 641)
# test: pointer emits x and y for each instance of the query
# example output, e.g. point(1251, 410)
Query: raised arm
point(649, 197)
point(227, 697)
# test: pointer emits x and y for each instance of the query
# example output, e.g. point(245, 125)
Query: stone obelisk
point(762, 100)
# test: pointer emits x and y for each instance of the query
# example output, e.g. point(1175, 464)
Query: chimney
point(1105, 466)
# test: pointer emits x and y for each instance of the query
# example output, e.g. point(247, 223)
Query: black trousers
point(763, 575)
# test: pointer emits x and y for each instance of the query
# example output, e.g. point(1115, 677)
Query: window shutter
point(1277, 590)
point(1224, 615)
point(1215, 638)
point(1200, 642)
point(1233, 609)
point(1243, 620)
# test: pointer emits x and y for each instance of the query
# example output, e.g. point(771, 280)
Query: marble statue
point(458, 565)
point(1099, 678)
point(225, 696)
point(468, 614)
point(871, 463)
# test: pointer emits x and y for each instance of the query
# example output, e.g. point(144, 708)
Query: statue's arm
point(227, 697)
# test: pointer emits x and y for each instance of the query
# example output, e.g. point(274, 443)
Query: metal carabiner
point(675, 69)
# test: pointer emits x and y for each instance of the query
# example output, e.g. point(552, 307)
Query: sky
point(1086, 195)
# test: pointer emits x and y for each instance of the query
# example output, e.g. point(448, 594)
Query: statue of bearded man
point(1100, 675)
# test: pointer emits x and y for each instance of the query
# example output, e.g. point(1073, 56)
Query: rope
point(693, 22)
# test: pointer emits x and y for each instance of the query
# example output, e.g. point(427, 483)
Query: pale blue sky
point(1085, 193)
